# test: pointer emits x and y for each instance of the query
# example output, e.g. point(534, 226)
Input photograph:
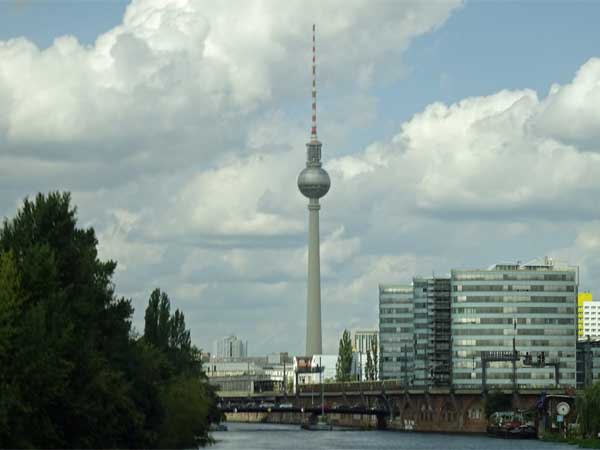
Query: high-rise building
point(582, 299)
point(530, 308)
point(230, 347)
point(396, 333)
point(591, 319)
point(432, 331)
point(362, 340)
point(414, 325)
point(423, 330)
point(314, 183)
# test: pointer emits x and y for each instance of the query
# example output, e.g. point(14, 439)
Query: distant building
point(315, 368)
point(279, 358)
point(256, 374)
point(582, 299)
point(591, 319)
point(535, 304)
point(230, 347)
point(362, 341)
point(396, 332)
point(588, 362)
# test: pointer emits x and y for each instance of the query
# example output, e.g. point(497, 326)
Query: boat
point(322, 423)
point(511, 424)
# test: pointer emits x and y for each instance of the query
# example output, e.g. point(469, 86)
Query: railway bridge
point(386, 404)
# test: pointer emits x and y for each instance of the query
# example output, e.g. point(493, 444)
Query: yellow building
point(581, 299)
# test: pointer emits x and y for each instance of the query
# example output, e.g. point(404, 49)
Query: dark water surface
point(247, 436)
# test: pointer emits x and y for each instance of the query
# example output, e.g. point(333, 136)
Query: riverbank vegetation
point(586, 432)
point(73, 372)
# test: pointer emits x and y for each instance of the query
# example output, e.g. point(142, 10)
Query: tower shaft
point(313, 293)
point(314, 183)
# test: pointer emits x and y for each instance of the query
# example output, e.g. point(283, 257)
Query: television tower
point(314, 183)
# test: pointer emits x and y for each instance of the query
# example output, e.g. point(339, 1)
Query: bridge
point(245, 408)
point(382, 404)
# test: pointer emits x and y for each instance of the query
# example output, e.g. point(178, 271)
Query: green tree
point(343, 367)
point(188, 401)
point(368, 365)
point(375, 357)
point(70, 341)
point(72, 375)
point(588, 411)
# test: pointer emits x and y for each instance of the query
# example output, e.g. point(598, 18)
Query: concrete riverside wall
point(343, 420)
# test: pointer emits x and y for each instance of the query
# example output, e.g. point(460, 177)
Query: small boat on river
point(511, 424)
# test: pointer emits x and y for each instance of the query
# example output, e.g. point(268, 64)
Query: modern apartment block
point(230, 347)
point(582, 299)
point(591, 319)
point(362, 340)
point(535, 304)
point(396, 332)
point(441, 363)
point(415, 332)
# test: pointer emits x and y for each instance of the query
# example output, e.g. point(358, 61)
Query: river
point(251, 436)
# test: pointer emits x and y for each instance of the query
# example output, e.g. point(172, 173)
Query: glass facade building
point(396, 333)
point(535, 304)
point(432, 331)
point(414, 327)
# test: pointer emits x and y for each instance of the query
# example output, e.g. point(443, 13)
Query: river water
point(250, 436)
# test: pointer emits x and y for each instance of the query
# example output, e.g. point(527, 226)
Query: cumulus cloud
point(181, 132)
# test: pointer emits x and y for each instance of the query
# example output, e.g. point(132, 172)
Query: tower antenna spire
point(313, 132)
point(314, 183)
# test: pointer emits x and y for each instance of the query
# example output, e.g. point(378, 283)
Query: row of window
point(468, 364)
point(396, 320)
point(511, 332)
point(514, 299)
point(395, 310)
point(514, 288)
point(510, 320)
point(470, 354)
point(514, 310)
point(497, 276)
point(508, 343)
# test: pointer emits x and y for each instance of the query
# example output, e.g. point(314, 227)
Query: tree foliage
point(369, 366)
point(588, 411)
point(372, 364)
point(72, 374)
point(343, 367)
point(374, 356)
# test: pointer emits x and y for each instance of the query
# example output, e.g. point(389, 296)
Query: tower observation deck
point(313, 183)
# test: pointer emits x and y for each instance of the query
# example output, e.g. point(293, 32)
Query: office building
point(591, 319)
point(396, 333)
point(529, 307)
point(431, 313)
point(362, 340)
point(230, 347)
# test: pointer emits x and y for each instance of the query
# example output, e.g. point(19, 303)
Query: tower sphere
point(314, 182)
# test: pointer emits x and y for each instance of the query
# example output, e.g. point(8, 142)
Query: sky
point(456, 134)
